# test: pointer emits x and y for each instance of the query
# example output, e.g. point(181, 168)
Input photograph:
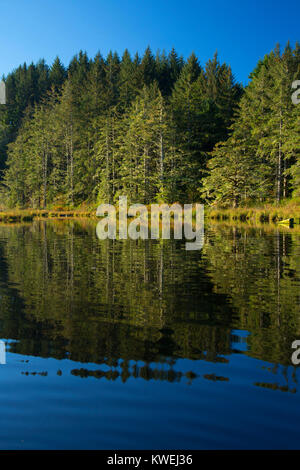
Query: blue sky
point(241, 30)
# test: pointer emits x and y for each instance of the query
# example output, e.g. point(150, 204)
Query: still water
point(142, 344)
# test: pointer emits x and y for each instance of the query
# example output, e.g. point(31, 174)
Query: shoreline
point(28, 215)
point(267, 214)
point(264, 215)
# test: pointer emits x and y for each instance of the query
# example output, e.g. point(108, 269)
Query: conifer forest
point(154, 127)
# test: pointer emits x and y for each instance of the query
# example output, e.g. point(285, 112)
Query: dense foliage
point(151, 128)
point(260, 160)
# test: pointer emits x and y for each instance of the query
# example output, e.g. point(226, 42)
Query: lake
point(141, 344)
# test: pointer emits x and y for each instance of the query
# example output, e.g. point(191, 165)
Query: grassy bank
point(29, 215)
point(255, 225)
point(266, 213)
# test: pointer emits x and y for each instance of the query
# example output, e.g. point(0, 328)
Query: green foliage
point(260, 160)
point(141, 127)
point(152, 128)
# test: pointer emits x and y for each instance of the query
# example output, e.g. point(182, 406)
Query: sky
point(242, 31)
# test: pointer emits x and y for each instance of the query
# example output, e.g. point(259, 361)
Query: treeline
point(153, 128)
point(137, 126)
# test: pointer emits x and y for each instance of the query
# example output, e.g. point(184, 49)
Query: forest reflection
point(137, 307)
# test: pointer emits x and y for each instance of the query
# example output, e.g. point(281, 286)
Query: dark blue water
point(131, 345)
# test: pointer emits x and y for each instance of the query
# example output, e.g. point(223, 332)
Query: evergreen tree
point(57, 74)
point(141, 148)
point(147, 68)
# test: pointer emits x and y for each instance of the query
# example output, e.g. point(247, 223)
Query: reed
point(265, 213)
point(27, 215)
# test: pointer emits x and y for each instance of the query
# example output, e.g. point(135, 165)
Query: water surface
point(142, 344)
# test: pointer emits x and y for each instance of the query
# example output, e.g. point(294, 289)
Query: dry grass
point(266, 213)
point(252, 224)
point(31, 214)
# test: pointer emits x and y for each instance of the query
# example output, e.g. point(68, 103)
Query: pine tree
point(128, 86)
point(141, 149)
point(57, 74)
point(147, 67)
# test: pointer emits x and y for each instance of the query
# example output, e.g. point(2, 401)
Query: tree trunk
point(284, 179)
point(145, 174)
point(279, 162)
point(45, 168)
point(161, 152)
point(72, 164)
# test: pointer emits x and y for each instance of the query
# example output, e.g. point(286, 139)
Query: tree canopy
point(153, 128)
